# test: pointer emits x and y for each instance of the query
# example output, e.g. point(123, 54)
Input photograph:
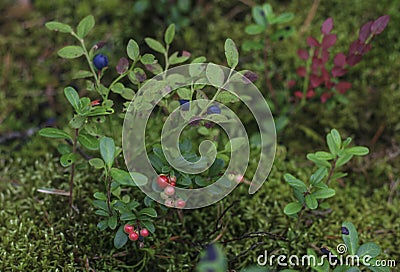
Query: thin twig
point(310, 16)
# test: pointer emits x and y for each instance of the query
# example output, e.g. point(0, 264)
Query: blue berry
point(214, 109)
point(345, 231)
point(100, 61)
point(185, 104)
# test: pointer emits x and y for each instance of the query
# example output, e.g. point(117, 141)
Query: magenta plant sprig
point(321, 77)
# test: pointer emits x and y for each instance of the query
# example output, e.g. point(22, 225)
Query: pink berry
point(128, 229)
point(180, 203)
point(169, 203)
point(169, 190)
point(133, 236)
point(144, 232)
point(172, 179)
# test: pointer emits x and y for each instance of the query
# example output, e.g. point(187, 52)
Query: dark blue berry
point(185, 104)
point(325, 251)
point(214, 109)
point(345, 231)
point(100, 61)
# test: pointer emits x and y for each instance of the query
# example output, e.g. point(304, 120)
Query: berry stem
point(306, 81)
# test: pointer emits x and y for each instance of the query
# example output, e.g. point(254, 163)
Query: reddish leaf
point(301, 71)
point(325, 75)
point(338, 71)
point(380, 24)
point(366, 48)
point(186, 53)
point(291, 83)
point(324, 56)
point(356, 47)
point(310, 93)
point(250, 76)
point(312, 42)
point(303, 54)
point(340, 60)
point(327, 26)
point(353, 59)
point(325, 96)
point(315, 81)
point(328, 41)
point(122, 65)
point(298, 94)
point(365, 31)
point(343, 86)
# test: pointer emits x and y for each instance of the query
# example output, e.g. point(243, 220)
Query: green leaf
point(231, 53)
point(88, 141)
point(147, 59)
point(343, 159)
point(148, 225)
point(295, 183)
point(175, 59)
point(96, 163)
point(216, 167)
point(70, 52)
point(67, 159)
point(107, 150)
point(72, 97)
point(336, 138)
point(148, 212)
point(120, 238)
point(351, 239)
point(254, 29)
point(226, 97)
point(357, 150)
point(54, 133)
point(215, 75)
point(139, 179)
point(311, 202)
point(82, 74)
point(375, 267)
point(84, 26)
point(331, 144)
point(102, 225)
point(102, 213)
point(259, 16)
point(128, 216)
point(100, 204)
point(185, 93)
point(155, 45)
point(322, 155)
point(370, 249)
point(132, 49)
point(169, 34)
point(323, 193)
point(292, 208)
point(283, 18)
point(318, 175)
point(100, 196)
point(269, 14)
point(321, 163)
point(57, 26)
point(122, 177)
point(112, 222)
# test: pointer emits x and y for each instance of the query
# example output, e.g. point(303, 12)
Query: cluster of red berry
point(168, 184)
point(134, 234)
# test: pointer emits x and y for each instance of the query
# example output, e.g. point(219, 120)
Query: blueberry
point(345, 231)
point(185, 104)
point(214, 109)
point(100, 61)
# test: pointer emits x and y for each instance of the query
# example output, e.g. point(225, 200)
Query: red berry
point(133, 236)
point(169, 191)
point(128, 229)
point(173, 184)
point(172, 179)
point(180, 203)
point(144, 232)
point(162, 181)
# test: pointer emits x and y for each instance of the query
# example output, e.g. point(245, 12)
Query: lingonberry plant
point(310, 194)
point(321, 78)
point(93, 121)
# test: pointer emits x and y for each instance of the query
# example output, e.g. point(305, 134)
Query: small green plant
point(309, 194)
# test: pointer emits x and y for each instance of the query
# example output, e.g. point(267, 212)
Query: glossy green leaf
point(292, 208)
point(96, 163)
point(102, 225)
point(148, 212)
point(88, 141)
point(370, 249)
point(107, 150)
point(351, 239)
point(175, 59)
point(70, 52)
point(321, 163)
point(112, 222)
point(322, 155)
point(295, 183)
point(100, 204)
point(148, 225)
point(318, 175)
point(254, 29)
point(120, 238)
point(84, 26)
point(323, 193)
point(169, 34)
point(128, 216)
point(67, 159)
point(259, 16)
point(100, 196)
point(185, 93)
point(283, 18)
point(82, 74)
point(54, 133)
point(215, 75)
point(343, 159)
point(122, 177)
point(357, 150)
point(155, 45)
point(72, 97)
point(132, 50)
point(231, 53)
point(57, 26)
point(337, 139)
point(139, 179)
point(311, 202)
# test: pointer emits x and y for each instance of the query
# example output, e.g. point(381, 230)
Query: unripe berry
point(169, 190)
point(162, 181)
point(100, 61)
point(128, 229)
point(144, 232)
point(133, 236)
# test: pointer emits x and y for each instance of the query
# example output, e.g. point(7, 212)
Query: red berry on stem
point(162, 181)
point(172, 179)
point(144, 232)
point(133, 236)
point(173, 184)
point(180, 203)
point(128, 229)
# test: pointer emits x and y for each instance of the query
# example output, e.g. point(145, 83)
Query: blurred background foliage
point(32, 78)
